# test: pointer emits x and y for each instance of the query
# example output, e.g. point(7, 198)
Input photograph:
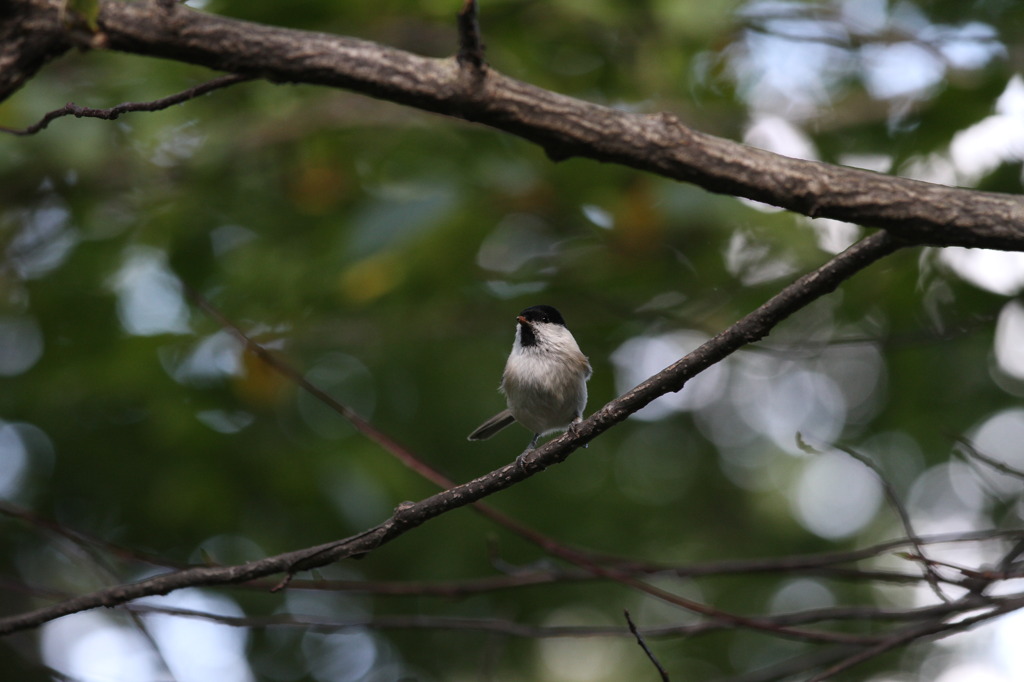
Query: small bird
point(545, 379)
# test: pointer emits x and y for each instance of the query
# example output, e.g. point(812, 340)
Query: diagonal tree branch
point(410, 515)
point(917, 211)
point(751, 328)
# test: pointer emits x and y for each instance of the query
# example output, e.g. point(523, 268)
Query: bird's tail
point(492, 425)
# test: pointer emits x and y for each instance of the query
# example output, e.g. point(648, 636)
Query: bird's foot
point(574, 430)
point(521, 459)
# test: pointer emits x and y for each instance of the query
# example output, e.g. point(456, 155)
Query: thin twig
point(388, 622)
point(938, 628)
point(794, 667)
point(1011, 557)
point(72, 109)
point(825, 562)
point(727, 619)
point(84, 552)
point(894, 501)
point(471, 46)
point(647, 650)
point(273, 361)
point(970, 451)
point(82, 538)
point(920, 616)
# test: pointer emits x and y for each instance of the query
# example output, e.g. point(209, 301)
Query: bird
point(545, 378)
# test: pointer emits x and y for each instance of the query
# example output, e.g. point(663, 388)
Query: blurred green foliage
point(384, 252)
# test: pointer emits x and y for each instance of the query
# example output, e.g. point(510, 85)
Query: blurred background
point(384, 253)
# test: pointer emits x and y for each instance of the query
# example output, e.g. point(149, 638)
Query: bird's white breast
point(546, 383)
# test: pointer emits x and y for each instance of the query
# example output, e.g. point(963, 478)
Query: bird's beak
point(521, 320)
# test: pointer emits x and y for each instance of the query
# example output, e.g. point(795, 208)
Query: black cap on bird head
point(541, 313)
point(536, 313)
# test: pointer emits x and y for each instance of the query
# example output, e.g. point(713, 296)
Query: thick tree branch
point(659, 143)
point(30, 36)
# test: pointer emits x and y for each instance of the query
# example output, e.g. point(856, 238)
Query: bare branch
point(916, 633)
point(643, 645)
point(393, 622)
point(723, 619)
point(471, 46)
point(83, 539)
point(969, 451)
point(830, 559)
point(894, 501)
point(30, 37)
point(750, 329)
point(933, 618)
point(72, 109)
point(410, 515)
point(916, 211)
point(389, 444)
point(921, 617)
point(821, 564)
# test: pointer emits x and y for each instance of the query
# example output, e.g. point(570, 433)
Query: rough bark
point(660, 143)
